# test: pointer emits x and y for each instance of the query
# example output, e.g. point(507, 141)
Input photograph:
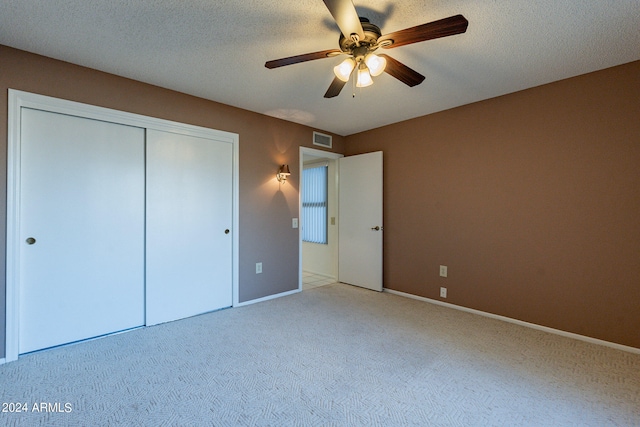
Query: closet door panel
point(81, 229)
point(188, 226)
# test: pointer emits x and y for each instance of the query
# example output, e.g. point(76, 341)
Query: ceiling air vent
point(321, 139)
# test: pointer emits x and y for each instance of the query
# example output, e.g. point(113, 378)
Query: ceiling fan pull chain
point(353, 84)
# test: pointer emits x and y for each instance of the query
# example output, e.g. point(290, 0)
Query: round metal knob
point(376, 228)
point(226, 231)
point(30, 240)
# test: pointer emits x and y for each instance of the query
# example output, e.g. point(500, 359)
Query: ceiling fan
point(360, 39)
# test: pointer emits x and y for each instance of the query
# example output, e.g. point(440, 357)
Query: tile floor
point(311, 280)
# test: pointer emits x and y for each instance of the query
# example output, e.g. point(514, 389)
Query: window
point(314, 204)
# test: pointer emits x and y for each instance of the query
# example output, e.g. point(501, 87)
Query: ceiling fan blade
point(401, 72)
point(301, 58)
point(442, 28)
point(335, 88)
point(346, 16)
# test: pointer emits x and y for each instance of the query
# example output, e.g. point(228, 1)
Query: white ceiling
point(216, 49)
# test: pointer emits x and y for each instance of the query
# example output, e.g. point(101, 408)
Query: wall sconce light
point(283, 173)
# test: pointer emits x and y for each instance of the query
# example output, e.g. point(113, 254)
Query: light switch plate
point(294, 223)
point(443, 271)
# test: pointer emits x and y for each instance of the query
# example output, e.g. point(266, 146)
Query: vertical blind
point(314, 204)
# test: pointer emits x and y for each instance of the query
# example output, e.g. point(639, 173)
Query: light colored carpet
point(332, 356)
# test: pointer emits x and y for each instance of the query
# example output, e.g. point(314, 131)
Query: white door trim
point(20, 99)
point(317, 153)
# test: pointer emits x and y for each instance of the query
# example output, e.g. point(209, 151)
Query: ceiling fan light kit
point(364, 77)
point(359, 39)
point(343, 70)
point(375, 63)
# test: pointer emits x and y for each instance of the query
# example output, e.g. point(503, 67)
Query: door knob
point(376, 228)
point(30, 240)
point(226, 231)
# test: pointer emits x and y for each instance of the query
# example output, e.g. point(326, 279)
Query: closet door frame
point(18, 100)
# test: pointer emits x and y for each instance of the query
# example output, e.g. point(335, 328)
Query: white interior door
point(81, 229)
point(360, 229)
point(189, 218)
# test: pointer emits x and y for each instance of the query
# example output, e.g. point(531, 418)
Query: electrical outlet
point(443, 271)
point(443, 292)
point(258, 267)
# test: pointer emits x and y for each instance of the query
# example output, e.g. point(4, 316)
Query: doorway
point(319, 261)
point(354, 222)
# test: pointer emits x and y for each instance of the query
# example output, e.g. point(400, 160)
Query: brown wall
point(265, 208)
point(531, 199)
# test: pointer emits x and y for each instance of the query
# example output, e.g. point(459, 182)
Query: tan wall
point(531, 199)
point(265, 210)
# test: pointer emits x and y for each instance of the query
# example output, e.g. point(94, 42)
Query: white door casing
point(82, 208)
point(360, 224)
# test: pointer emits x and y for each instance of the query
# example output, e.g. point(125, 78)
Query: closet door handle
point(226, 231)
point(30, 240)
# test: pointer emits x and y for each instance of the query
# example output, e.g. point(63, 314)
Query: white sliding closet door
point(81, 229)
point(189, 218)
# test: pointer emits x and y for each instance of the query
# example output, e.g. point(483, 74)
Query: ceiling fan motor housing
point(371, 35)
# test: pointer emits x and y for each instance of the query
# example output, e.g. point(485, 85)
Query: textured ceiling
point(216, 49)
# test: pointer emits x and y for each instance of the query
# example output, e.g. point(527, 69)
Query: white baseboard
point(518, 322)
point(267, 298)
